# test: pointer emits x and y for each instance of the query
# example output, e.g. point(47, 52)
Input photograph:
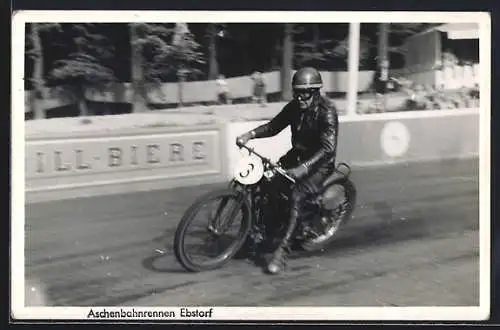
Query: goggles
point(303, 94)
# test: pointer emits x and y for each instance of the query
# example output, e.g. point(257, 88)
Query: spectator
point(380, 103)
point(361, 108)
point(259, 89)
point(429, 97)
point(465, 100)
point(445, 102)
point(414, 102)
point(222, 90)
point(474, 93)
point(474, 96)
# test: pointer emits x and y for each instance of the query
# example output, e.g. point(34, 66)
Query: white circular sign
point(249, 170)
point(395, 139)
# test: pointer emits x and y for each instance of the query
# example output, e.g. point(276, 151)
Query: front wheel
point(219, 211)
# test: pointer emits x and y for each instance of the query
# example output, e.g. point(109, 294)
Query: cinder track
point(414, 241)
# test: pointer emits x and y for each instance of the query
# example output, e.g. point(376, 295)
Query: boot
point(279, 259)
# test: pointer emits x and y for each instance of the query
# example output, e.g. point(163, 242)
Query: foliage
point(185, 54)
point(163, 58)
point(213, 32)
point(85, 63)
point(315, 50)
point(161, 55)
point(342, 50)
point(398, 30)
point(319, 51)
point(322, 50)
point(217, 29)
point(32, 51)
point(150, 41)
point(81, 68)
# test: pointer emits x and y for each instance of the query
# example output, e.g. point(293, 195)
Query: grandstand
point(441, 68)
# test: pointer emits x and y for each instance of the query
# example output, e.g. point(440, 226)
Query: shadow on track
point(164, 250)
point(151, 263)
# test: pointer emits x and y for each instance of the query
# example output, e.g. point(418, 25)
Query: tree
point(35, 52)
point(184, 56)
point(139, 94)
point(287, 62)
point(318, 50)
point(147, 42)
point(291, 52)
point(385, 31)
point(84, 66)
point(214, 31)
point(164, 50)
point(342, 50)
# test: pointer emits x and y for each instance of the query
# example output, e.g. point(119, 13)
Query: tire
point(350, 192)
point(179, 249)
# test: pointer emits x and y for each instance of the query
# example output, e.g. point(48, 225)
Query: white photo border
point(20, 18)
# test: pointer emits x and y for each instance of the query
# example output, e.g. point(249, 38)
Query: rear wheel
point(219, 212)
point(340, 215)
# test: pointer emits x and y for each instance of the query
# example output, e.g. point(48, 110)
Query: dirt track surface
point(414, 241)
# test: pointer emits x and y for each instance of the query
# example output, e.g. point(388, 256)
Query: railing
point(203, 92)
point(193, 92)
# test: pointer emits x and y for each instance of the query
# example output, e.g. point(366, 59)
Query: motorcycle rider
point(314, 127)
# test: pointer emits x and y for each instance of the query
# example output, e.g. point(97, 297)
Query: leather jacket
point(314, 133)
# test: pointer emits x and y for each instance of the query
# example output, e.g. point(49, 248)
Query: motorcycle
point(251, 194)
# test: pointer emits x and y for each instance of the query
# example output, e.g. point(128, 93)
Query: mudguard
point(333, 192)
point(337, 175)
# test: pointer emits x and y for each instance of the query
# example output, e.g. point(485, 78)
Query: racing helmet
point(307, 78)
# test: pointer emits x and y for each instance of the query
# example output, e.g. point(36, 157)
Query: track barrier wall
point(129, 153)
point(123, 160)
point(384, 139)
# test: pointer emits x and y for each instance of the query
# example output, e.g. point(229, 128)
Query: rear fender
point(347, 167)
point(337, 188)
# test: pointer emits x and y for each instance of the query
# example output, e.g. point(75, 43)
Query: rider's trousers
point(303, 189)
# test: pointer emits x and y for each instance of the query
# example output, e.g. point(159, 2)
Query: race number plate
point(249, 170)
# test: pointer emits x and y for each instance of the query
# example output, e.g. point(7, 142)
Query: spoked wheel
point(212, 230)
point(340, 216)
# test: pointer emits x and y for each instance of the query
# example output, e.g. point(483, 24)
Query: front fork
point(219, 224)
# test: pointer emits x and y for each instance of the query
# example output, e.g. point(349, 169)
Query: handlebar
point(273, 166)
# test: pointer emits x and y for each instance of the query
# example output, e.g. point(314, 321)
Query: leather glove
point(244, 138)
point(298, 172)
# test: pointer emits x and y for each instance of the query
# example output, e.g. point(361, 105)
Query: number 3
point(252, 166)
